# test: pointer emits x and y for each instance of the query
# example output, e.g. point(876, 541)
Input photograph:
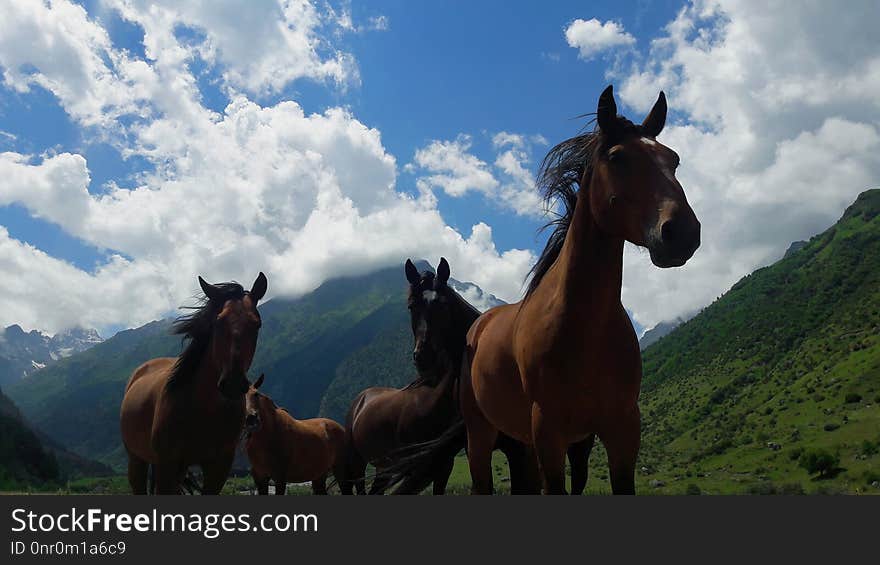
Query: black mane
point(196, 329)
point(559, 181)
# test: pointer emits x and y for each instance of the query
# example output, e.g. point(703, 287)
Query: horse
point(288, 450)
point(383, 420)
point(440, 319)
point(190, 410)
point(562, 366)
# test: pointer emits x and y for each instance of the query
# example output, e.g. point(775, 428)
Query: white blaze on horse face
point(660, 158)
point(429, 295)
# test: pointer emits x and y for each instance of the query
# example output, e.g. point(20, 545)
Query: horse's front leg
point(168, 475)
point(550, 447)
point(441, 476)
point(622, 444)
point(216, 472)
point(579, 459)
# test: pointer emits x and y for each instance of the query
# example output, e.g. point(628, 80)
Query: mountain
point(22, 353)
point(659, 331)
point(317, 351)
point(23, 459)
point(786, 362)
point(29, 459)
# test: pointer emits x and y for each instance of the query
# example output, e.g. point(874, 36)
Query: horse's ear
point(653, 124)
point(443, 270)
point(412, 274)
point(606, 111)
point(258, 290)
point(212, 292)
point(259, 382)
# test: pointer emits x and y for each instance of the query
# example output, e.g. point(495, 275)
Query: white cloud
point(455, 170)
point(591, 37)
point(301, 197)
point(263, 44)
point(57, 47)
point(779, 131)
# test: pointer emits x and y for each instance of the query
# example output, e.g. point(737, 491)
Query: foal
point(288, 450)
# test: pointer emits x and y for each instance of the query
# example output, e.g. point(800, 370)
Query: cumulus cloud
point(303, 197)
point(452, 167)
point(591, 37)
point(263, 45)
point(778, 129)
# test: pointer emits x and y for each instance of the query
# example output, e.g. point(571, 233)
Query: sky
point(144, 143)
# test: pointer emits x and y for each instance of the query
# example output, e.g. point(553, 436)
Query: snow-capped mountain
point(22, 353)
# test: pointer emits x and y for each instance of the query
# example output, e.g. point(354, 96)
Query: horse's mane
point(559, 181)
point(464, 315)
point(195, 328)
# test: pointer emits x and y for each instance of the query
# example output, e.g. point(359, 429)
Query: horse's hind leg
point(319, 485)
point(579, 459)
point(354, 473)
point(138, 470)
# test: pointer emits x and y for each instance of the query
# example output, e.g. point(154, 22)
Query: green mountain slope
point(788, 360)
point(23, 459)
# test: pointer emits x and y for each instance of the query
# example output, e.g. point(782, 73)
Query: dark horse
point(383, 420)
point(288, 450)
point(190, 410)
point(563, 365)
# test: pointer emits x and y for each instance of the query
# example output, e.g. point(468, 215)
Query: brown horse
point(391, 427)
point(287, 450)
point(382, 420)
point(190, 410)
point(564, 363)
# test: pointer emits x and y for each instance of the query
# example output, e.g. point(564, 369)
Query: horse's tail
point(346, 470)
point(413, 467)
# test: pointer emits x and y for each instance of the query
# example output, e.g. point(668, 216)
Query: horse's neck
point(590, 265)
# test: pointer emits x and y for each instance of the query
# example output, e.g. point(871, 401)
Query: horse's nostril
point(670, 231)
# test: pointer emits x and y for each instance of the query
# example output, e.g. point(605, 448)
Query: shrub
point(795, 453)
point(693, 490)
point(818, 461)
point(830, 427)
point(853, 398)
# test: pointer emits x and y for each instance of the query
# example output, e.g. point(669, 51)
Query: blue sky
point(431, 89)
point(420, 81)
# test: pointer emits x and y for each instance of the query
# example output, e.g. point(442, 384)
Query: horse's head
point(633, 190)
point(234, 333)
point(431, 315)
point(255, 407)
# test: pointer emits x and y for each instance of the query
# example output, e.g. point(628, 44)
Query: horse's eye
point(615, 155)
